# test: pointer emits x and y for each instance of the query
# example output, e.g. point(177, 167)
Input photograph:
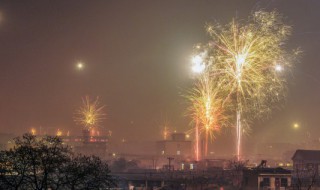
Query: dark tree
point(13, 169)
point(46, 163)
point(121, 165)
point(33, 163)
point(236, 167)
point(305, 178)
point(88, 172)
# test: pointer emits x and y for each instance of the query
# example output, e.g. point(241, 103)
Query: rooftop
point(306, 155)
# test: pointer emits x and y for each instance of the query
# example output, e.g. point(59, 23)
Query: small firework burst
point(90, 114)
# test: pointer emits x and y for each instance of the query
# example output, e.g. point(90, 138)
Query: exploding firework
point(206, 111)
point(245, 60)
point(166, 132)
point(90, 113)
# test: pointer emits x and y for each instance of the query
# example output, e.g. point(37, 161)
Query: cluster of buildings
point(171, 161)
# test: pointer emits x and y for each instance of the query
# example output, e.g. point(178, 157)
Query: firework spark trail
point(206, 111)
point(166, 131)
point(90, 114)
point(197, 144)
point(244, 59)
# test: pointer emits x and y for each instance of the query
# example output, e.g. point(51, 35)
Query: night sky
point(137, 60)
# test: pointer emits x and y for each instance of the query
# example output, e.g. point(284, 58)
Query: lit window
point(182, 166)
point(162, 152)
point(178, 152)
point(191, 166)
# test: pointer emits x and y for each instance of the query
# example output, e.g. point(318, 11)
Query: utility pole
point(169, 159)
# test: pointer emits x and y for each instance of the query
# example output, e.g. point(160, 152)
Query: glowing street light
point(296, 125)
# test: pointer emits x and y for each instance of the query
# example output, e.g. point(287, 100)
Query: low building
point(177, 146)
point(266, 178)
point(93, 145)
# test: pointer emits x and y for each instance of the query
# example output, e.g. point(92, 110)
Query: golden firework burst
point(245, 60)
point(206, 110)
point(90, 114)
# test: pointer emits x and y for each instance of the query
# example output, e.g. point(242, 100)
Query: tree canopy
point(43, 163)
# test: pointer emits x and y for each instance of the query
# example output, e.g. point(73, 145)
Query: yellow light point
point(33, 131)
point(165, 133)
point(187, 136)
point(80, 65)
point(296, 125)
point(59, 133)
point(90, 113)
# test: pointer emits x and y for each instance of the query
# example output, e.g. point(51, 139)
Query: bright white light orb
point(80, 65)
point(278, 68)
point(197, 59)
point(198, 67)
point(240, 59)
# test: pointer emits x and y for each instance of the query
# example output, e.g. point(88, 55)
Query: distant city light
point(59, 133)
point(33, 131)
